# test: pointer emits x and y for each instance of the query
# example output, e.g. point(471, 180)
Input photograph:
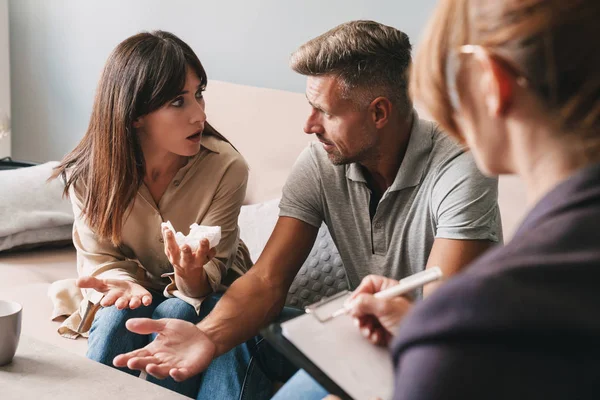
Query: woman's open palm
point(120, 293)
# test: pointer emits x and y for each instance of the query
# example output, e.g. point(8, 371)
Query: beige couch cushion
point(266, 126)
point(26, 279)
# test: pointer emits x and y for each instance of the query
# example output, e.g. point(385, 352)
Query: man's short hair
point(369, 58)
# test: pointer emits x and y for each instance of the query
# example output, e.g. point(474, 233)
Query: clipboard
point(334, 353)
point(274, 336)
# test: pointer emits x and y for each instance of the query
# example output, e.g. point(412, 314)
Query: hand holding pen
point(378, 307)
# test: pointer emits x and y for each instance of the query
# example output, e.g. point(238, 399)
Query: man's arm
point(452, 255)
point(378, 319)
point(465, 203)
point(182, 350)
point(256, 299)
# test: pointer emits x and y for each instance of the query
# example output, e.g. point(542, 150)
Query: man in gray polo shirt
point(396, 194)
point(437, 193)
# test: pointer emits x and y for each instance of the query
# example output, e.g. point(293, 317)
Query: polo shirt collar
point(354, 173)
point(415, 160)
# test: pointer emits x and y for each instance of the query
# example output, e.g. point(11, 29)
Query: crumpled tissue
point(197, 233)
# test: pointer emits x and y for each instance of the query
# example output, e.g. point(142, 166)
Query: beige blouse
point(208, 190)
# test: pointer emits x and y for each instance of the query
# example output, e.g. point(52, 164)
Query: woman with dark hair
point(149, 156)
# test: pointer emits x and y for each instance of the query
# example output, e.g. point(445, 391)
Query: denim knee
point(109, 337)
point(301, 387)
point(113, 319)
point(176, 309)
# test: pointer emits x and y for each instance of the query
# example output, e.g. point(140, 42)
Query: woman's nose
point(198, 114)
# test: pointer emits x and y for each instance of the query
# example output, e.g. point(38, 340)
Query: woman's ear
point(138, 122)
point(496, 85)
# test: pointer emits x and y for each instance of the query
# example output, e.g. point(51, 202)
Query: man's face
point(345, 130)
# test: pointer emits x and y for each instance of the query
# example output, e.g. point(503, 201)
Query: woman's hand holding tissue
point(188, 264)
point(120, 293)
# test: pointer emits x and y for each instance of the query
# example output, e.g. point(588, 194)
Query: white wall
point(4, 74)
point(59, 48)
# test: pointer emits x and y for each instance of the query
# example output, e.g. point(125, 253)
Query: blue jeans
point(226, 376)
point(245, 372)
point(265, 366)
point(301, 387)
point(225, 379)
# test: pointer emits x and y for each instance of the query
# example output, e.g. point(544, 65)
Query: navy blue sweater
point(523, 321)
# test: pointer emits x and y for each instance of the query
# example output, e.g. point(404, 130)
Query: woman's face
point(177, 126)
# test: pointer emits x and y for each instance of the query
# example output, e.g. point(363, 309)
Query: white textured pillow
point(256, 223)
point(32, 210)
point(321, 275)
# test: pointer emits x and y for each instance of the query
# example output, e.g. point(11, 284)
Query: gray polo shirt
point(437, 193)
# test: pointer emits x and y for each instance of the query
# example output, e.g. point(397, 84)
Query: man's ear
point(496, 85)
point(381, 109)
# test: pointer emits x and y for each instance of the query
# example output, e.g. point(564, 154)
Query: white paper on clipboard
point(337, 348)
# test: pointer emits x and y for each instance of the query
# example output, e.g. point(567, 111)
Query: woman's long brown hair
point(143, 73)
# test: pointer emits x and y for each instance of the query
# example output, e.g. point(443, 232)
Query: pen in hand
point(404, 286)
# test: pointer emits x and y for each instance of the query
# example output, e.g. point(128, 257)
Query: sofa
point(265, 125)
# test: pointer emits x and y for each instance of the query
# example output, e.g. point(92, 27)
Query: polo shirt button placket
point(378, 238)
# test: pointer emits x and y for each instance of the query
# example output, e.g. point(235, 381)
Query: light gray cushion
point(256, 222)
point(33, 212)
point(322, 274)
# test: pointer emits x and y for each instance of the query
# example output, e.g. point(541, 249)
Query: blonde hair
point(553, 43)
point(369, 58)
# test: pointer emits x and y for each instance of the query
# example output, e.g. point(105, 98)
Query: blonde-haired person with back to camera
point(150, 156)
point(519, 83)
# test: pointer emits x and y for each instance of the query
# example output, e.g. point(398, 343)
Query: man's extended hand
point(180, 349)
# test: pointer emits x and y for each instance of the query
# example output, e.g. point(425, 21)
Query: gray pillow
point(33, 212)
point(322, 274)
